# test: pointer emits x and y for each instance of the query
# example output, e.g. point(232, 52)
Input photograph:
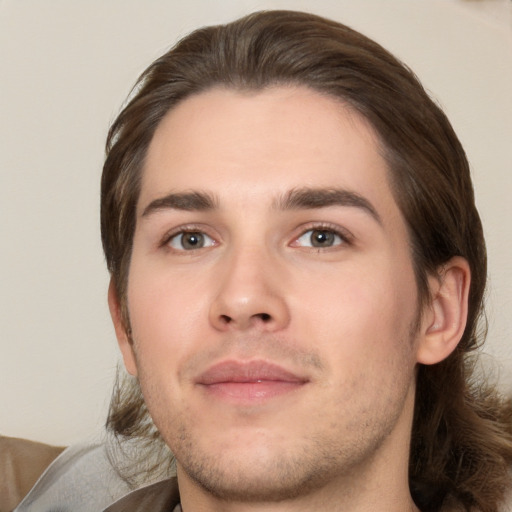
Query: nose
point(250, 294)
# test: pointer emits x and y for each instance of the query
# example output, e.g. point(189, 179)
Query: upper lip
point(247, 371)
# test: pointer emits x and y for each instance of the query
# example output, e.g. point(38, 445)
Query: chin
point(269, 481)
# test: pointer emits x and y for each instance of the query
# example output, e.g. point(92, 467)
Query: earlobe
point(445, 319)
point(123, 339)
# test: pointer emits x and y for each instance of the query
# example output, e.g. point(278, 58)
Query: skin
point(324, 291)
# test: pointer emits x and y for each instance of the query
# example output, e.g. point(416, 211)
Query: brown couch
point(21, 463)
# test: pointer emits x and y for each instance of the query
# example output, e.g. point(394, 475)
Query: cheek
point(165, 314)
point(165, 317)
point(362, 312)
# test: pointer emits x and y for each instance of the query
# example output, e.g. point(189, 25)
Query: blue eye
point(190, 240)
point(319, 238)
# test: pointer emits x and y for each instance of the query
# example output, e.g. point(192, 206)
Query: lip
point(249, 381)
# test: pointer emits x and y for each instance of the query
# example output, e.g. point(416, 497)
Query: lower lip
point(252, 392)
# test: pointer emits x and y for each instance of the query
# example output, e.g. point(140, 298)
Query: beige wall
point(65, 68)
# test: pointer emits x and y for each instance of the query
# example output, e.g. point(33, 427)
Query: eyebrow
point(188, 201)
point(305, 198)
point(312, 198)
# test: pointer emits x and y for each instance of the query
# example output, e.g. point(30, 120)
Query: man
point(297, 275)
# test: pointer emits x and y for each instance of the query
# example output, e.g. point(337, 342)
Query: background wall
point(65, 69)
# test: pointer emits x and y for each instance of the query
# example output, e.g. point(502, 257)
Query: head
point(425, 166)
point(428, 166)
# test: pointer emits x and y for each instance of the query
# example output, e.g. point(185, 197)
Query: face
point(271, 295)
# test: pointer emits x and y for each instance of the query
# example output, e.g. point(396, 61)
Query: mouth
point(249, 382)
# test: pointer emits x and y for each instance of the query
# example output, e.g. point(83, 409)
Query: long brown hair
point(462, 435)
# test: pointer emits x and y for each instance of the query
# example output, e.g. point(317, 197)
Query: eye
point(190, 240)
point(319, 238)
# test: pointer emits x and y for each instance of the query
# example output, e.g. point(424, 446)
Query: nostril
point(245, 321)
point(226, 319)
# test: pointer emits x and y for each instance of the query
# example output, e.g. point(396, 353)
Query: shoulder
point(81, 478)
point(21, 464)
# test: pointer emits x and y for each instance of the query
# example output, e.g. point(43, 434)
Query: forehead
point(247, 144)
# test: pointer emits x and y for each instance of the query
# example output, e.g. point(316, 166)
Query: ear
point(444, 320)
point(123, 339)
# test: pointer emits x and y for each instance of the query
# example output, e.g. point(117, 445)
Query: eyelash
point(345, 236)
